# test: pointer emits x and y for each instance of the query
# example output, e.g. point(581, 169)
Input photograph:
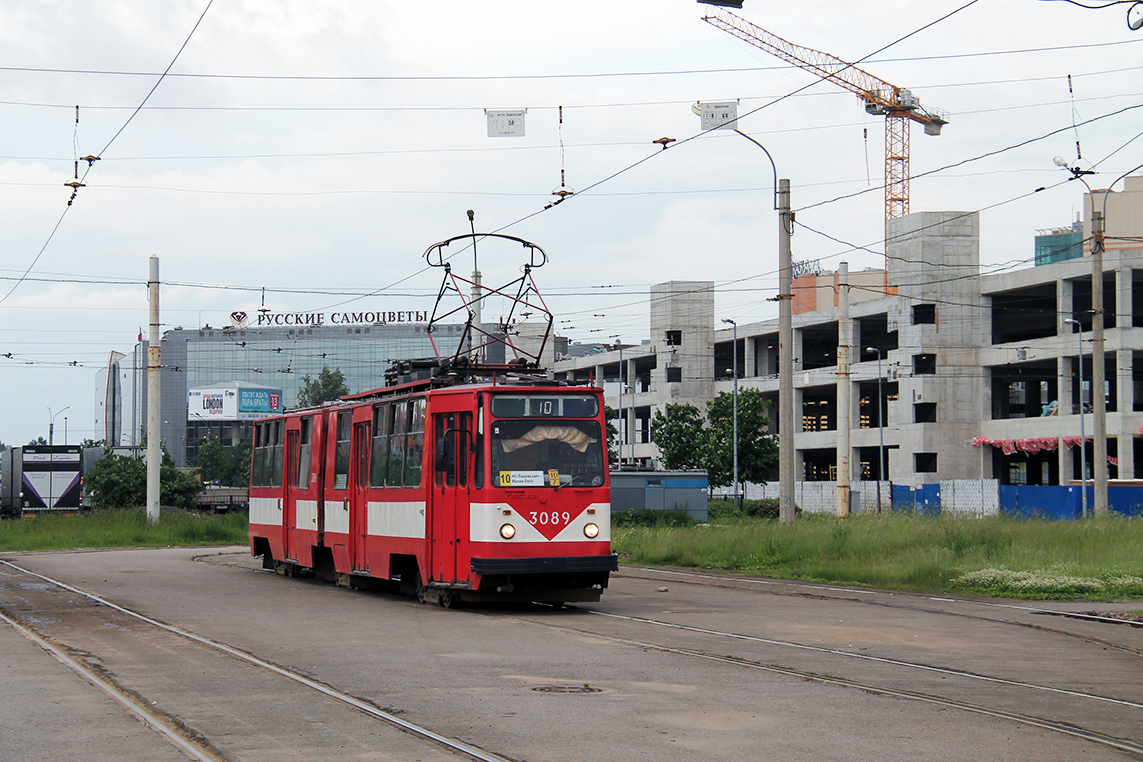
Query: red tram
point(488, 484)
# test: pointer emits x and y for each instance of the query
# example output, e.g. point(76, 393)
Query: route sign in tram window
point(536, 453)
point(544, 406)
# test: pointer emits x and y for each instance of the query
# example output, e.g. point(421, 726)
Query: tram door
point(290, 506)
point(448, 501)
point(359, 496)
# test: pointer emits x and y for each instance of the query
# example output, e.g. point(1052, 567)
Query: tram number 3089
point(553, 518)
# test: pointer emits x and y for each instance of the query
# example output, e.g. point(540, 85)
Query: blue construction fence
point(1062, 502)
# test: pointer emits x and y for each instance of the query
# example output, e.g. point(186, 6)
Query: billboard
point(258, 403)
point(232, 404)
point(212, 404)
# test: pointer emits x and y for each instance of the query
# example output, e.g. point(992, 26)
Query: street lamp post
point(52, 425)
point(1098, 370)
point(1083, 438)
point(786, 449)
point(880, 426)
point(734, 370)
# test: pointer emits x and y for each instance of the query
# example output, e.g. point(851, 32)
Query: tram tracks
point(867, 687)
point(818, 674)
point(872, 597)
point(756, 653)
point(196, 744)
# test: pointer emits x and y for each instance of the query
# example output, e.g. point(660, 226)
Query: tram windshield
point(531, 452)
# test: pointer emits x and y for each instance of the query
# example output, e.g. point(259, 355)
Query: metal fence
point(821, 497)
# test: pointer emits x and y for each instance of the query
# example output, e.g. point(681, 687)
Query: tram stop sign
point(722, 115)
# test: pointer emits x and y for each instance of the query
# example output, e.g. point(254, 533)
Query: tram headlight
point(591, 531)
point(507, 531)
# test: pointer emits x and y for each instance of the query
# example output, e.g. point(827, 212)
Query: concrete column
point(1123, 278)
point(1064, 307)
point(1065, 366)
point(1122, 431)
point(1064, 369)
point(747, 368)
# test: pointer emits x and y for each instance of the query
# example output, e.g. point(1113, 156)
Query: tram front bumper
point(546, 565)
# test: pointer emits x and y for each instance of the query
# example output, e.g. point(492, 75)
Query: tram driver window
point(536, 453)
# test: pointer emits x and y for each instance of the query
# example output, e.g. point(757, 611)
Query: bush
point(767, 508)
point(120, 481)
point(644, 517)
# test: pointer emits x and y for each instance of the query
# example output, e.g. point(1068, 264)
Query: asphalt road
point(666, 667)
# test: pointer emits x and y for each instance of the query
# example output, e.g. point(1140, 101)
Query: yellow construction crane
point(896, 104)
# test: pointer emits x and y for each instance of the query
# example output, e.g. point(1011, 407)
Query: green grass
point(1095, 559)
point(122, 528)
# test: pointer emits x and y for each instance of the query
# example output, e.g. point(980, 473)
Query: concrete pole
point(737, 502)
point(622, 418)
point(844, 414)
point(475, 294)
point(786, 451)
point(476, 355)
point(1098, 370)
point(154, 416)
point(734, 370)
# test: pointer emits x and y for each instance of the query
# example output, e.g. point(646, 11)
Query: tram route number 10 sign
point(529, 478)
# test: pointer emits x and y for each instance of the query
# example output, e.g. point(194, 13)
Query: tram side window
point(478, 445)
point(341, 453)
point(415, 447)
point(275, 448)
point(259, 457)
point(279, 450)
point(380, 461)
point(445, 469)
point(452, 438)
point(306, 438)
point(398, 428)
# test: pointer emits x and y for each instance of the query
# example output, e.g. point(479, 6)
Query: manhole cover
point(566, 689)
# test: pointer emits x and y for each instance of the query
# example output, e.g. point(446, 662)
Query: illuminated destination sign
point(373, 317)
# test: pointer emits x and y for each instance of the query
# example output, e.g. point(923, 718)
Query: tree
point(757, 450)
point(238, 467)
point(177, 488)
point(120, 481)
point(229, 468)
point(687, 439)
point(328, 386)
point(681, 437)
point(90, 443)
point(612, 435)
point(117, 481)
point(38, 441)
point(212, 462)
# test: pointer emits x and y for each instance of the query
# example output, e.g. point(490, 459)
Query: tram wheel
point(422, 591)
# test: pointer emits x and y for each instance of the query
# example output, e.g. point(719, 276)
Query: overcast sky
point(316, 149)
